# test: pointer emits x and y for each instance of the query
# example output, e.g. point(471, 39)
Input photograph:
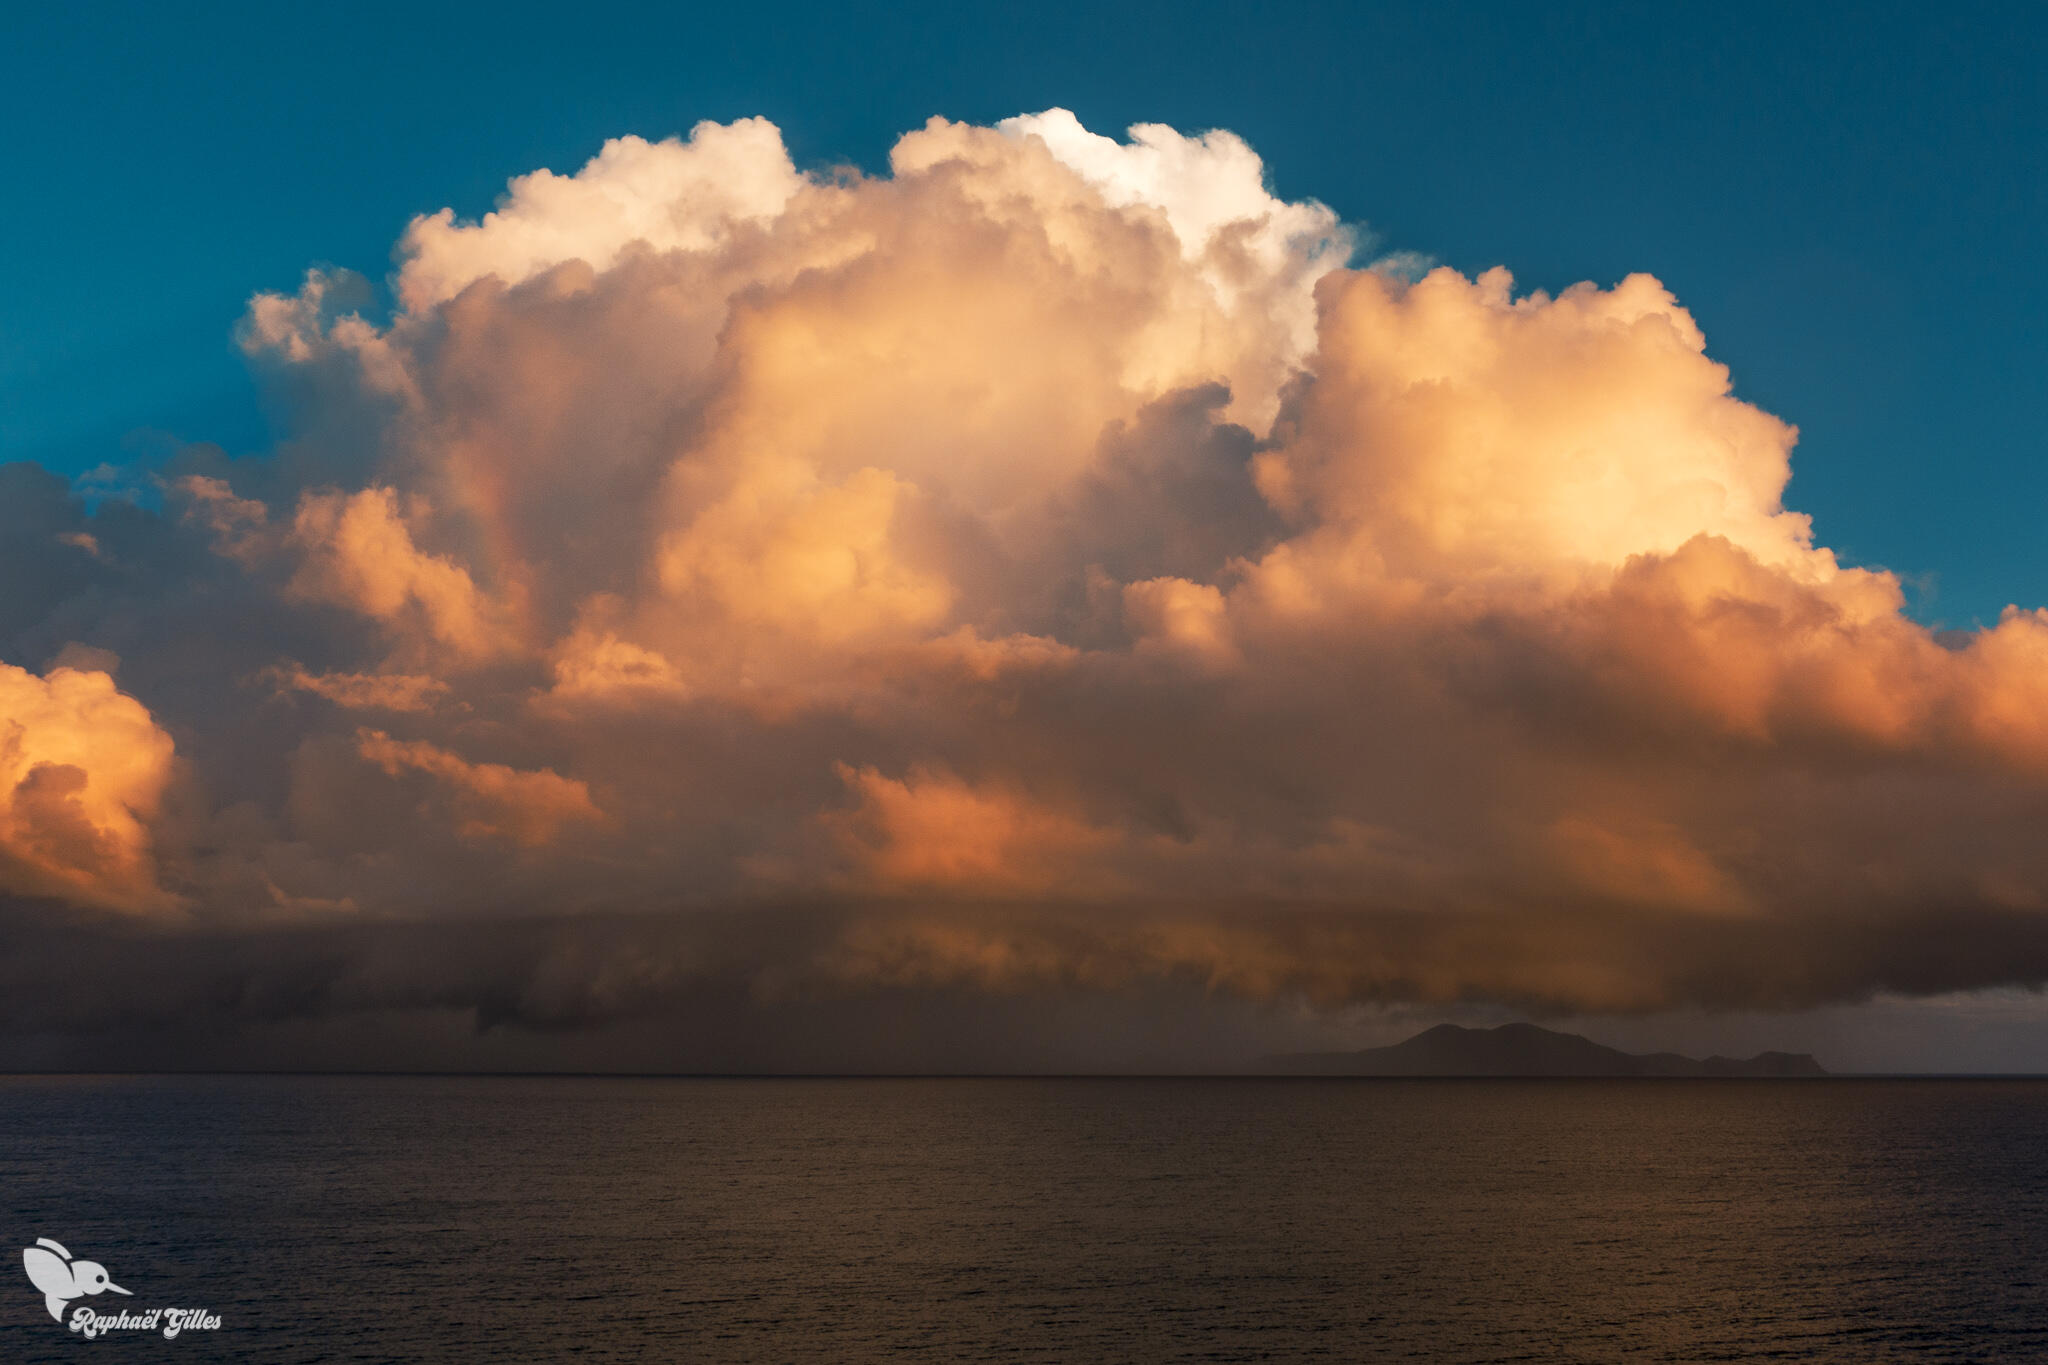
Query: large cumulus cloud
point(1052, 566)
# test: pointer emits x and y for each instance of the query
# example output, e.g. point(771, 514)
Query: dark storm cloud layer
point(822, 989)
point(721, 597)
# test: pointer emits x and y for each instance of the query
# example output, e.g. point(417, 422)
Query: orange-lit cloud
point(492, 801)
point(363, 691)
point(359, 553)
point(933, 832)
point(82, 769)
point(1056, 560)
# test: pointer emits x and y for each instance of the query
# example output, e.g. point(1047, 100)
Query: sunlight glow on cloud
point(1056, 559)
point(83, 769)
point(654, 196)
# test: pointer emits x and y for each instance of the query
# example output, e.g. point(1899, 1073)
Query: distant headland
point(1526, 1050)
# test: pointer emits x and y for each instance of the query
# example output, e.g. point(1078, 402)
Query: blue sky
point(1848, 198)
point(317, 686)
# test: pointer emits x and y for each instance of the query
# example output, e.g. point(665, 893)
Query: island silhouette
point(1527, 1050)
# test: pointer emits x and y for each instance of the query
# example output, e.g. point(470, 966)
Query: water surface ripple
point(535, 1219)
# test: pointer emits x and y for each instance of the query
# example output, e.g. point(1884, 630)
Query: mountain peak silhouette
point(1528, 1050)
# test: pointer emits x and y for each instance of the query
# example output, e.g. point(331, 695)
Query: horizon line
point(275, 1072)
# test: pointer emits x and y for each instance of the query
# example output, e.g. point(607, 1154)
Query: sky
point(1838, 193)
point(806, 587)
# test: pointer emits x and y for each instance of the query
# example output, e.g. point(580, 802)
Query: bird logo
point(62, 1279)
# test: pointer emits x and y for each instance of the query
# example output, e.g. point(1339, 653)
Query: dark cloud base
point(905, 989)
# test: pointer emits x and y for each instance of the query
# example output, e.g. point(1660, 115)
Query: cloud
point(82, 768)
point(931, 831)
point(1054, 566)
point(635, 194)
point(491, 799)
point(363, 691)
point(359, 553)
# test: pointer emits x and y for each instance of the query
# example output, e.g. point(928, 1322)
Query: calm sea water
point(514, 1220)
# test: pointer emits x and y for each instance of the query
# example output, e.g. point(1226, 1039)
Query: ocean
point(496, 1219)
